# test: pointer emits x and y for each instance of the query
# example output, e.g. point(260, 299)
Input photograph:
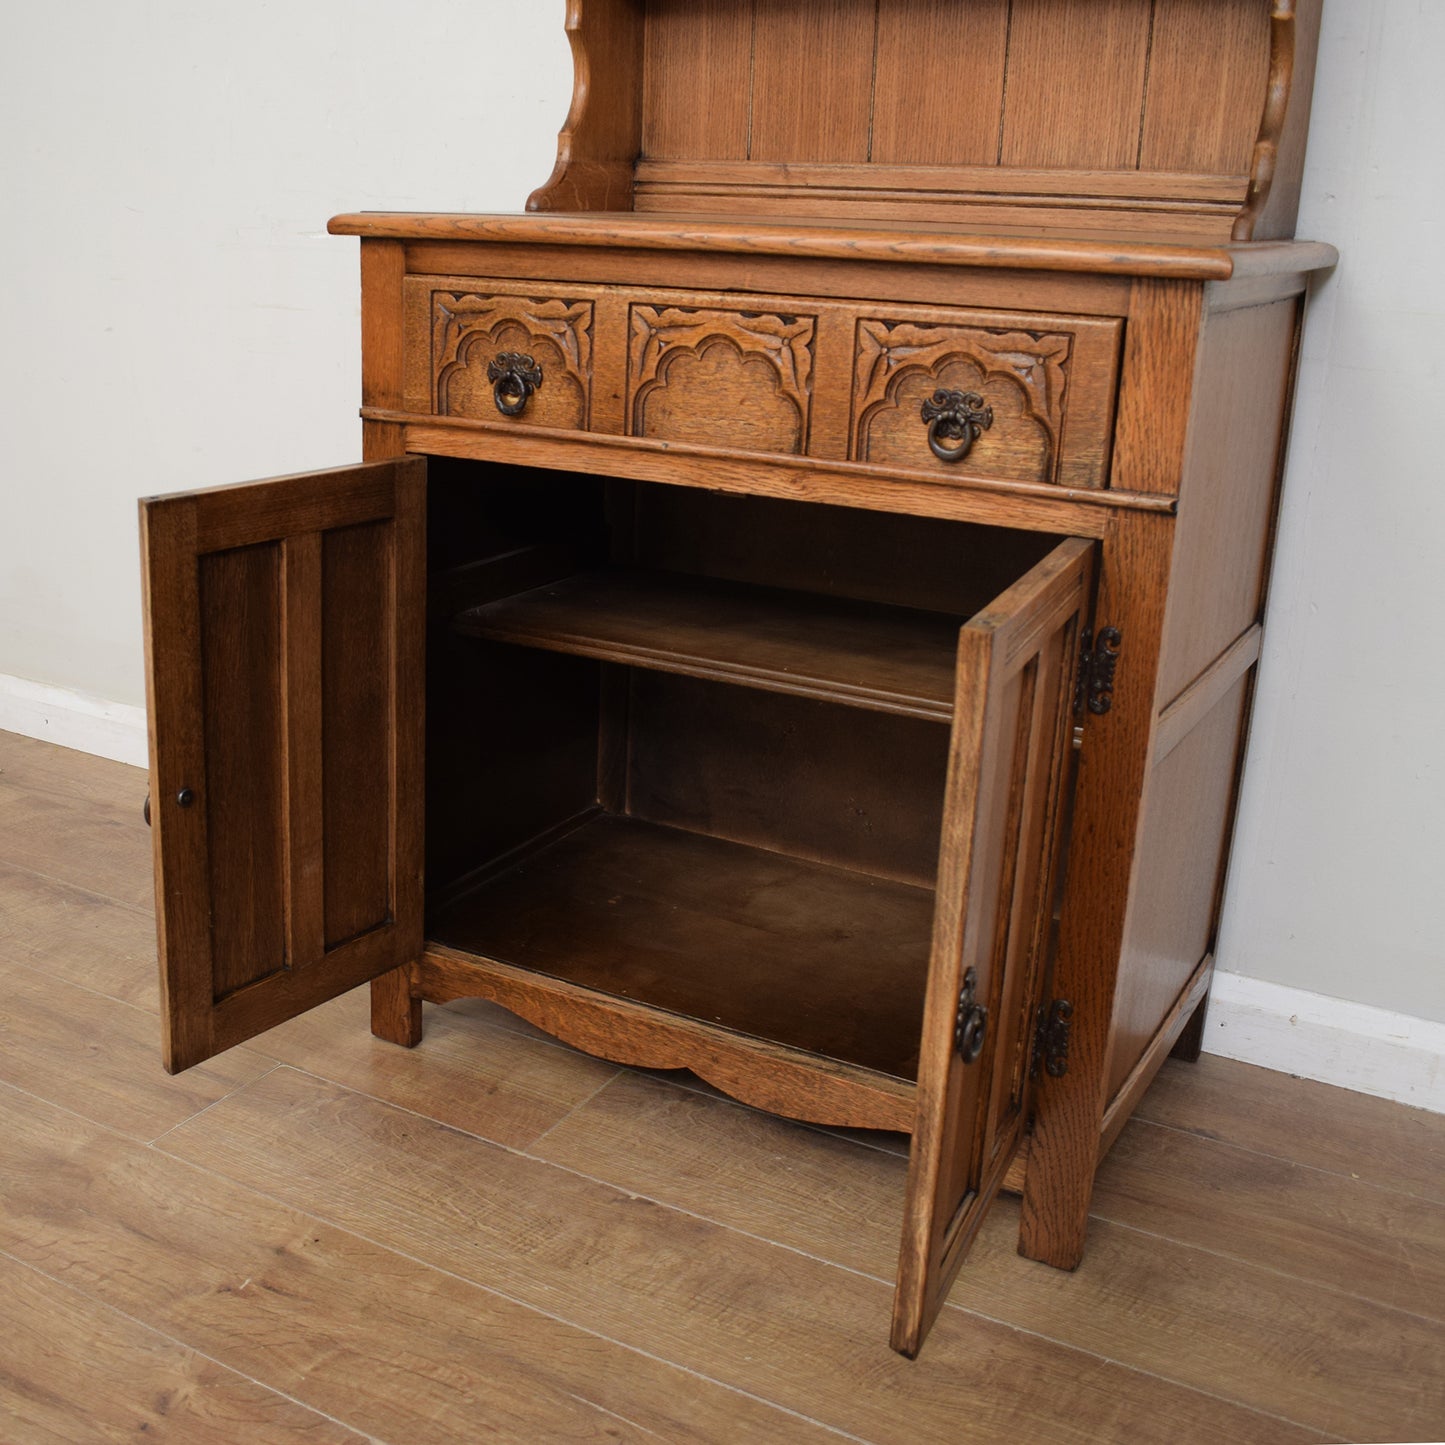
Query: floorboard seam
point(128, 904)
point(191, 1118)
point(40, 973)
point(580, 1104)
point(1285, 1159)
point(1267, 1269)
point(1155, 1375)
point(76, 1114)
point(520, 1303)
point(948, 1304)
point(185, 1345)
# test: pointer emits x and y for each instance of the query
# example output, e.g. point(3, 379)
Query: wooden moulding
point(767, 1076)
point(1035, 506)
point(937, 245)
point(1182, 715)
point(1123, 1104)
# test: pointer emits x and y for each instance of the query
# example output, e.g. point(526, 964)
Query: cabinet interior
point(690, 748)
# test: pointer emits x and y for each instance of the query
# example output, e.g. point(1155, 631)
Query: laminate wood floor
point(322, 1237)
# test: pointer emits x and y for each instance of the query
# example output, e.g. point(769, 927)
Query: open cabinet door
point(1007, 762)
point(284, 682)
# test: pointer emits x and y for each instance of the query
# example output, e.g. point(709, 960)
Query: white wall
point(172, 312)
point(1339, 861)
point(174, 315)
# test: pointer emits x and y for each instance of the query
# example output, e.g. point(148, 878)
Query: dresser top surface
point(935, 245)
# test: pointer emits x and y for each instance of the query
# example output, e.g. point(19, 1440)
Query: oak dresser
point(797, 615)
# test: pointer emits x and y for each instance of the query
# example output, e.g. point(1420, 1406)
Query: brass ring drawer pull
point(514, 377)
point(955, 418)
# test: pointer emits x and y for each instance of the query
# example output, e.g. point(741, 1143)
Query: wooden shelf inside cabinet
point(758, 942)
point(890, 659)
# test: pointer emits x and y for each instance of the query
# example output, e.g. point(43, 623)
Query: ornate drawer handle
point(955, 416)
point(972, 1027)
point(514, 378)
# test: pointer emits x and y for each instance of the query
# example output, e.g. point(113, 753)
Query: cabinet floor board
point(749, 939)
point(408, 1336)
point(742, 1310)
point(1157, 1303)
point(402, 1352)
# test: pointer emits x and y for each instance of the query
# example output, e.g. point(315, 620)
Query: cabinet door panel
point(284, 681)
point(1001, 815)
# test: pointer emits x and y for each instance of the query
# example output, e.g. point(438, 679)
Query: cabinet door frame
point(1002, 813)
point(241, 579)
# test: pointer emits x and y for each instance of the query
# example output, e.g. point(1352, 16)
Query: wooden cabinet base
point(798, 616)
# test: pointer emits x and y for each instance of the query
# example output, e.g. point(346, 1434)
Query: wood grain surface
point(354, 1258)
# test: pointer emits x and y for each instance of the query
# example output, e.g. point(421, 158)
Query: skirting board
point(1369, 1050)
point(73, 720)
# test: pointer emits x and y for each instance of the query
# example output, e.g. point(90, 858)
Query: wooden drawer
point(1008, 396)
point(772, 375)
point(460, 332)
point(721, 371)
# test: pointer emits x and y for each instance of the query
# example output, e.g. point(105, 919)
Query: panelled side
point(1229, 497)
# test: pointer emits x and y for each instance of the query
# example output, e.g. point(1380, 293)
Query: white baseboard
point(1369, 1050)
point(73, 720)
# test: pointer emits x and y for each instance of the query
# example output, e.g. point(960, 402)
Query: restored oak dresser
point(797, 617)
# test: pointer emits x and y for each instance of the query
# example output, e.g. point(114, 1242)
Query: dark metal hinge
point(1098, 659)
point(971, 1025)
point(1051, 1039)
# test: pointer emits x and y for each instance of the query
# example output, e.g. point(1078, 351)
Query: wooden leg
point(395, 1008)
point(1190, 1043)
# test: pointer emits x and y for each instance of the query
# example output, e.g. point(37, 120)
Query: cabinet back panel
point(1074, 85)
point(1076, 74)
point(815, 780)
point(812, 80)
point(948, 567)
point(922, 115)
point(477, 510)
point(511, 733)
point(511, 750)
point(710, 118)
point(1211, 65)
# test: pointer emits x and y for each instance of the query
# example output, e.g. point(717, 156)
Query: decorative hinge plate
point(1051, 1038)
point(1098, 659)
point(972, 1022)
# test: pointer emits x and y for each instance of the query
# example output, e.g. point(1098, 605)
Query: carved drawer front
point(502, 352)
point(1008, 396)
point(707, 372)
